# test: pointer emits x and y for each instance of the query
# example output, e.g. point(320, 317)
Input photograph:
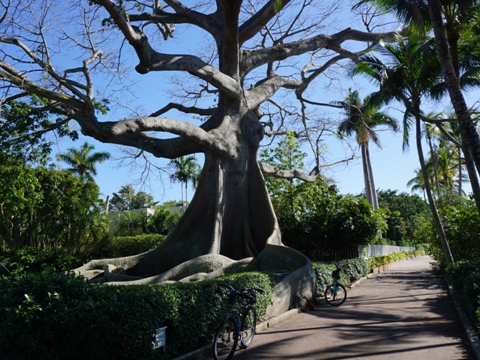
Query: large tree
point(251, 44)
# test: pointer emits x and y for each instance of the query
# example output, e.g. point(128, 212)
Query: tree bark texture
point(469, 134)
point(370, 191)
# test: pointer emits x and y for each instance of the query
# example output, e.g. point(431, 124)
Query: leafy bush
point(23, 260)
point(54, 316)
point(462, 227)
point(390, 258)
point(465, 279)
point(325, 221)
point(163, 221)
point(356, 269)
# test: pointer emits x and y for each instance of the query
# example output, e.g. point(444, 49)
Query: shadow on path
point(404, 313)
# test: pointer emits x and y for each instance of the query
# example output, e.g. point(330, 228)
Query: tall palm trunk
point(468, 132)
point(428, 190)
point(367, 176)
point(370, 191)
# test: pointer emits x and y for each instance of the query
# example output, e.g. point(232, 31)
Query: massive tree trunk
point(230, 213)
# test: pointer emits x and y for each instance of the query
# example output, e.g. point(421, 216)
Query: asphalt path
point(405, 312)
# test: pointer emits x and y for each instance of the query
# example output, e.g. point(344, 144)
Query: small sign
point(160, 338)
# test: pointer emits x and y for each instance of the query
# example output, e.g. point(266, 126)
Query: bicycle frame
point(238, 325)
point(335, 293)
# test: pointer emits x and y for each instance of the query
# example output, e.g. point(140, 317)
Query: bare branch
point(285, 174)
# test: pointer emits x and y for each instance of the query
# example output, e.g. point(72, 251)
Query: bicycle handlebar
point(248, 295)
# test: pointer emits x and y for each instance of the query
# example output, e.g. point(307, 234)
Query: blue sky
point(392, 167)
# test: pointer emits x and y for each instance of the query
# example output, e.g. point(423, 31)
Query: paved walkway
point(403, 313)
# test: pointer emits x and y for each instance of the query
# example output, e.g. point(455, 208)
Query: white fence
point(378, 250)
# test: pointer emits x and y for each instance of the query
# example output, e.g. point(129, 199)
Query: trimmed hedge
point(390, 258)
point(54, 316)
point(355, 269)
point(352, 270)
point(117, 246)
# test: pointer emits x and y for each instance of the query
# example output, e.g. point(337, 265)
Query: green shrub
point(356, 269)
point(23, 260)
point(478, 317)
point(465, 279)
point(352, 270)
point(54, 316)
point(461, 222)
point(116, 246)
point(386, 259)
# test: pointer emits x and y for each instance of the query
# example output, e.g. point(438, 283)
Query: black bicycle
point(238, 324)
point(335, 294)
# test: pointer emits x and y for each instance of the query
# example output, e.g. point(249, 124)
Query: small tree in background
point(127, 199)
point(82, 161)
point(186, 170)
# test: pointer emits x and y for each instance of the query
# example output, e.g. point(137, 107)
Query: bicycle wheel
point(226, 338)
point(335, 298)
point(247, 328)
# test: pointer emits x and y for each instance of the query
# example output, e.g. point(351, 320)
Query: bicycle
point(239, 323)
point(335, 294)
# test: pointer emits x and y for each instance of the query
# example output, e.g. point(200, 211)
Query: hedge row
point(465, 279)
point(390, 258)
point(352, 270)
point(117, 246)
point(53, 316)
point(355, 269)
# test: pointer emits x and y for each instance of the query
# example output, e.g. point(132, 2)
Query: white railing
point(378, 250)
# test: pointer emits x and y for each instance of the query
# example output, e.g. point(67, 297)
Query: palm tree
point(450, 178)
point(361, 119)
point(410, 73)
point(186, 170)
point(417, 183)
point(82, 161)
point(455, 25)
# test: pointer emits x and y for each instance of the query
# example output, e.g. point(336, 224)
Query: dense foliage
point(403, 213)
point(47, 208)
point(128, 199)
point(465, 279)
point(143, 221)
point(313, 216)
point(53, 316)
point(462, 226)
point(27, 260)
point(327, 222)
point(24, 126)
